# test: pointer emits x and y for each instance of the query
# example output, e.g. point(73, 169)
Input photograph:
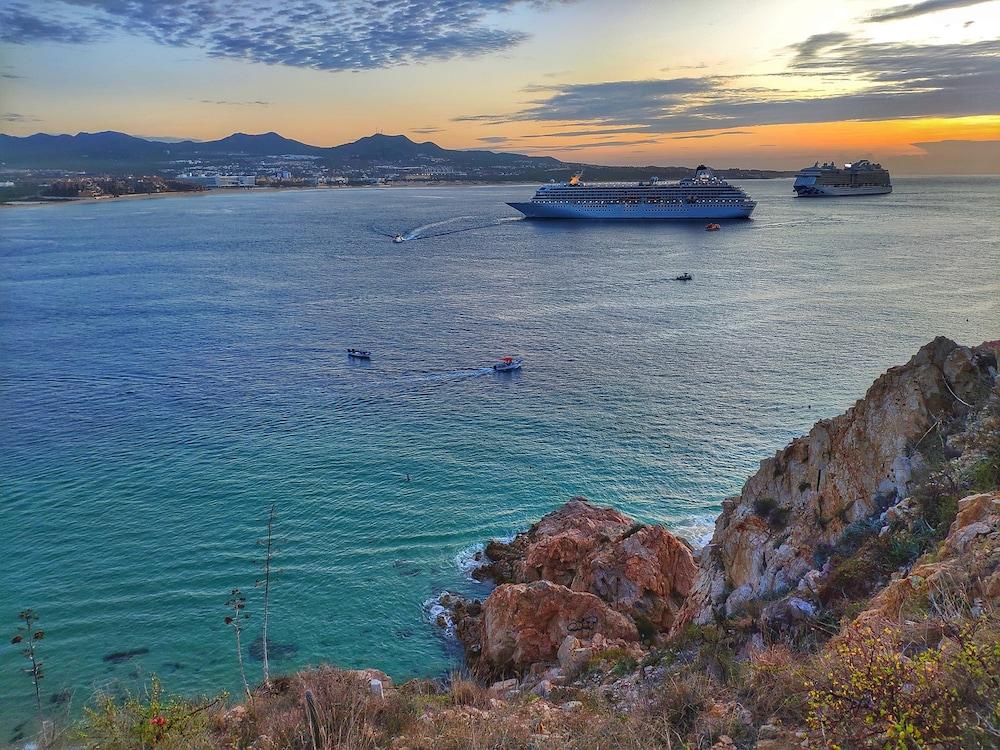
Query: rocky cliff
point(769, 539)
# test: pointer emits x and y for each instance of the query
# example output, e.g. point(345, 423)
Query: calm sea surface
point(170, 368)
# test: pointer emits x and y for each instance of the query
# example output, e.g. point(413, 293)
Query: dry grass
point(349, 716)
point(776, 686)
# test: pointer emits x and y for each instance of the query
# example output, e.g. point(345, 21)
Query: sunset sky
point(756, 83)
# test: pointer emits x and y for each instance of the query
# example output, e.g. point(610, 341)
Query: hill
point(119, 153)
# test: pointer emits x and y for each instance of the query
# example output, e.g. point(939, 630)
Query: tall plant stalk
point(29, 634)
point(237, 602)
point(268, 551)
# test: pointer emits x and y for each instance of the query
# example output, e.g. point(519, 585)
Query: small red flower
point(158, 721)
point(229, 621)
point(16, 639)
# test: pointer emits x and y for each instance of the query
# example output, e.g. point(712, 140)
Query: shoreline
point(273, 189)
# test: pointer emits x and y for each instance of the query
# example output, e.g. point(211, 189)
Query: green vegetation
point(148, 720)
point(768, 509)
point(869, 693)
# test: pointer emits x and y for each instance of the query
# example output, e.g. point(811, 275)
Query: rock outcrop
point(847, 469)
point(646, 574)
point(555, 548)
point(583, 573)
point(526, 623)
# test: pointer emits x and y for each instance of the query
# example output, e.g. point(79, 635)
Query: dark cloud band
point(912, 10)
point(890, 80)
point(318, 34)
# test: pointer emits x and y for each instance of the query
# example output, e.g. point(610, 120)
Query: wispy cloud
point(427, 131)
point(318, 34)
point(495, 140)
point(606, 144)
point(912, 10)
point(878, 81)
point(231, 103)
point(18, 117)
point(709, 135)
point(809, 48)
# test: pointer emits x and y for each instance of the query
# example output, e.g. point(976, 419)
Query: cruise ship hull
point(634, 212)
point(829, 191)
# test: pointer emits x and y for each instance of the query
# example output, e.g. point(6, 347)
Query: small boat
point(398, 238)
point(359, 354)
point(509, 363)
point(712, 227)
point(683, 277)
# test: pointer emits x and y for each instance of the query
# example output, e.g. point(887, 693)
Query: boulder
point(555, 548)
point(646, 574)
point(524, 624)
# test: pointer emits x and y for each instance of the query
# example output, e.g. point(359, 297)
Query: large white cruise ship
point(703, 196)
point(860, 178)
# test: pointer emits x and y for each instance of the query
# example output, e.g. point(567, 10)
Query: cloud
point(230, 103)
point(605, 144)
point(875, 81)
point(319, 34)
point(494, 139)
point(427, 131)
point(17, 117)
point(811, 47)
point(710, 135)
point(912, 10)
point(582, 133)
point(19, 25)
point(952, 157)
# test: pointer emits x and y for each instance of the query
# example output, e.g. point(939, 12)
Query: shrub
point(148, 720)
point(647, 629)
point(870, 694)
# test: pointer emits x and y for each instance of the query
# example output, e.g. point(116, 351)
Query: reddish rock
point(646, 575)
point(524, 624)
point(583, 571)
point(554, 548)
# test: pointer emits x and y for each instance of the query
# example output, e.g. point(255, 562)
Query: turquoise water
point(172, 367)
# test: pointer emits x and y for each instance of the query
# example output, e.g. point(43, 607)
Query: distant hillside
point(119, 153)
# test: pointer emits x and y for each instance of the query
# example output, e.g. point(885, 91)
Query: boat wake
point(418, 232)
point(423, 232)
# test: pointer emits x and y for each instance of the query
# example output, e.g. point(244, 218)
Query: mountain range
point(114, 152)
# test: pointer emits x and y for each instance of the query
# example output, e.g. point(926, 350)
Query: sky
point(750, 83)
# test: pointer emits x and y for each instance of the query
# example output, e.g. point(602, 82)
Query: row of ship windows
point(640, 197)
point(633, 191)
point(635, 202)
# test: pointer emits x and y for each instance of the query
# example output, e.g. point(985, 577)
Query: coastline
point(275, 189)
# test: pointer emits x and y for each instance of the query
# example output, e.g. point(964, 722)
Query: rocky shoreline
point(582, 580)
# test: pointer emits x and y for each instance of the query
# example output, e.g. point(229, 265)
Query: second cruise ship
point(860, 178)
point(703, 196)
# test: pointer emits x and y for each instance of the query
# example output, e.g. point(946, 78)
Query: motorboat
point(713, 227)
point(398, 238)
point(359, 354)
point(683, 277)
point(509, 363)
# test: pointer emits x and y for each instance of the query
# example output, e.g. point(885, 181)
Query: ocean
point(171, 368)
